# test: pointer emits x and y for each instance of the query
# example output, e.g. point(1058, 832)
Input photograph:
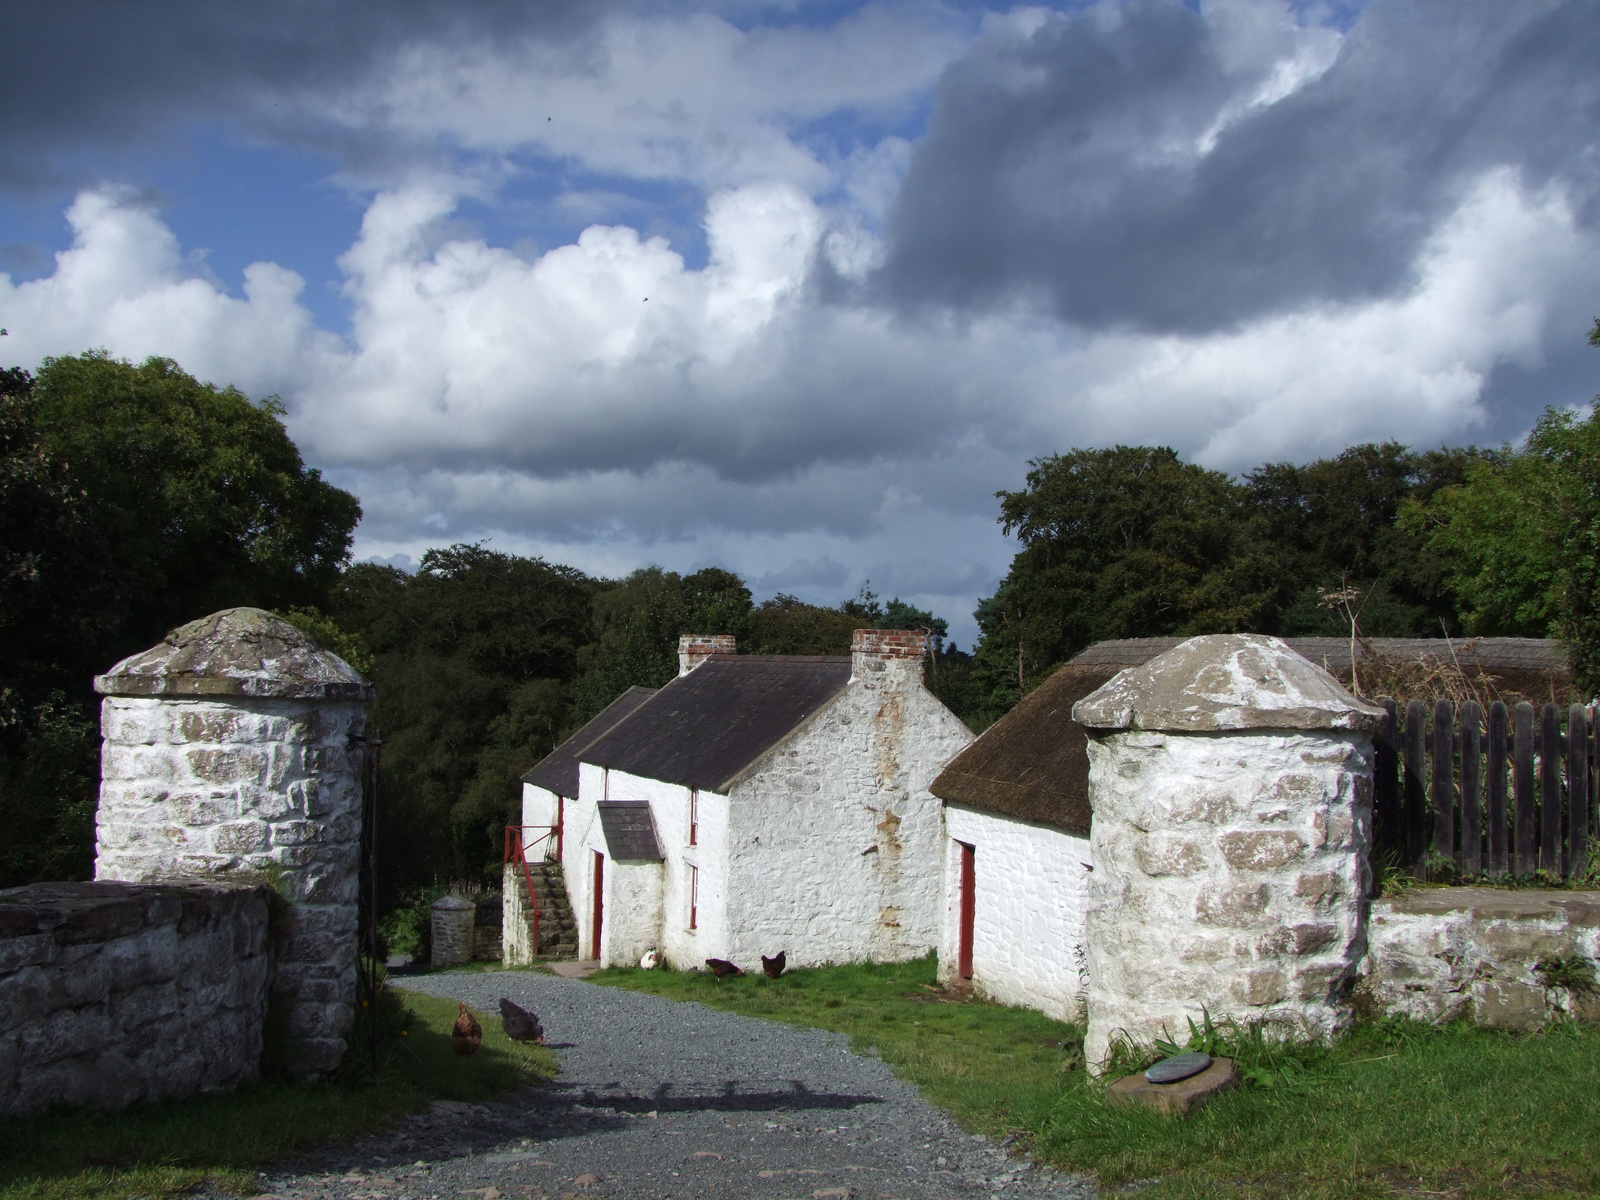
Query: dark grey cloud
point(80, 75)
point(1061, 163)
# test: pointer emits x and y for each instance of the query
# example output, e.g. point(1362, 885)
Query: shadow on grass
point(158, 1149)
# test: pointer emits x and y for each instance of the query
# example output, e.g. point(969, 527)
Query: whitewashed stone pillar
point(1231, 782)
point(452, 920)
point(232, 747)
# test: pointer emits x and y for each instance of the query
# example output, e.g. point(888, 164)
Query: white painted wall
point(1031, 893)
point(539, 805)
point(836, 846)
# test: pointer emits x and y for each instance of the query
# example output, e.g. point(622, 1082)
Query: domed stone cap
point(1225, 682)
point(236, 652)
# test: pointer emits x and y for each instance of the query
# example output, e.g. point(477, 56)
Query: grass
point(1394, 1109)
point(159, 1149)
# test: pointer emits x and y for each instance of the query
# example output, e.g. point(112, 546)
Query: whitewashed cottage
point(1016, 868)
point(760, 803)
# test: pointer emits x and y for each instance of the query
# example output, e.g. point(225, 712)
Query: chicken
point(467, 1035)
point(722, 968)
point(520, 1024)
point(773, 966)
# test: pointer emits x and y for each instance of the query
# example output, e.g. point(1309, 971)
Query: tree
point(132, 499)
point(1124, 542)
point(474, 658)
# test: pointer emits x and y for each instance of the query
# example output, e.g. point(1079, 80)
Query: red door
point(599, 901)
point(969, 855)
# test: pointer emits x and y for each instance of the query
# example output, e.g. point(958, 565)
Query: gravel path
point(661, 1098)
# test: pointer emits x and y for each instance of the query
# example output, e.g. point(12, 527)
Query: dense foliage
point(132, 499)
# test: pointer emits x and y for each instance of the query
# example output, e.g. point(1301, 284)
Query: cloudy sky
point(794, 286)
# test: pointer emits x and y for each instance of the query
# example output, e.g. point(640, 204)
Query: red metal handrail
point(516, 849)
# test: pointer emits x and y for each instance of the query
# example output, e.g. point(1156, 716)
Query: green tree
point(132, 499)
point(1125, 542)
point(786, 625)
point(474, 658)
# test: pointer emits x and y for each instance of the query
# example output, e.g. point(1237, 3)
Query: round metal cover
point(1179, 1066)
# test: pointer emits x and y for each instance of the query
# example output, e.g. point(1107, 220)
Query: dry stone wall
point(1505, 959)
point(112, 993)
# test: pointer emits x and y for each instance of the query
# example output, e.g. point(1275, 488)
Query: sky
point(795, 288)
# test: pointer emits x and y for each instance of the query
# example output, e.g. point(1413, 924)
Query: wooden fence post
point(1442, 789)
point(1577, 791)
point(1471, 811)
point(1550, 789)
point(1527, 847)
point(1386, 781)
point(1499, 843)
point(1416, 768)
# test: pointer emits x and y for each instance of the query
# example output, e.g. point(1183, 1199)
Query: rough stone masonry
point(233, 749)
point(1231, 782)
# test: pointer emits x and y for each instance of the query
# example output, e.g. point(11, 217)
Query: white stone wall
point(196, 786)
point(1230, 871)
point(1443, 954)
point(1031, 895)
point(836, 846)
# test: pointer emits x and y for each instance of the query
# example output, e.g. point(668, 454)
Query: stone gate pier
point(1231, 782)
point(232, 750)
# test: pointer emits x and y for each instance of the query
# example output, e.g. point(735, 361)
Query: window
point(694, 817)
point(694, 897)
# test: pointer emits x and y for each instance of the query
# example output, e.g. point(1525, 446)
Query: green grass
point(157, 1149)
point(1394, 1109)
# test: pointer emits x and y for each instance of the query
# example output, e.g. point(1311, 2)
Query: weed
point(1571, 973)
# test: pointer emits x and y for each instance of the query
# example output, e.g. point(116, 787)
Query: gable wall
point(836, 845)
point(539, 805)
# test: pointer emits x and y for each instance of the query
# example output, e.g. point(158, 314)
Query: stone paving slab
point(665, 1099)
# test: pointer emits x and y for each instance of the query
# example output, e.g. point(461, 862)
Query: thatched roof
point(1033, 763)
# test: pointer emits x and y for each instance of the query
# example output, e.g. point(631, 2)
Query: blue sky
point(794, 288)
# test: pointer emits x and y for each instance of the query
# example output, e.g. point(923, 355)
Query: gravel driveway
point(662, 1098)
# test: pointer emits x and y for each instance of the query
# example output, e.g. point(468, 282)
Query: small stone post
point(453, 918)
point(231, 748)
point(1231, 782)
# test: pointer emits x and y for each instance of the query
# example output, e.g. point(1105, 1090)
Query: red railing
point(519, 841)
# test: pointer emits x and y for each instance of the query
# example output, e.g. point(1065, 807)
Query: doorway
point(969, 872)
point(599, 904)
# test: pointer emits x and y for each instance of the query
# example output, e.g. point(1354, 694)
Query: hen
point(773, 966)
point(520, 1024)
point(722, 968)
point(467, 1035)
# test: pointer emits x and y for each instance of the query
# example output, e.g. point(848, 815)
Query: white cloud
point(737, 417)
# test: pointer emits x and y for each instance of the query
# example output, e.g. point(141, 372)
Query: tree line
point(135, 498)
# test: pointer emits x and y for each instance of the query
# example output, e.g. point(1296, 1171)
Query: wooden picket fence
point(1509, 791)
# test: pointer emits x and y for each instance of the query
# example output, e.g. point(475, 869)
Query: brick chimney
point(695, 648)
point(890, 655)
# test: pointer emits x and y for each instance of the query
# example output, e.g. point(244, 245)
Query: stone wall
point(1231, 782)
point(112, 993)
point(235, 745)
point(1441, 954)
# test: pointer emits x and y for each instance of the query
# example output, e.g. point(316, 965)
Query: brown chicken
point(774, 966)
point(467, 1035)
point(722, 968)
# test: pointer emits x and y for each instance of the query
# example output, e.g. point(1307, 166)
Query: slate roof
point(630, 832)
point(706, 727)
point(558, 771)
point(1032, 763)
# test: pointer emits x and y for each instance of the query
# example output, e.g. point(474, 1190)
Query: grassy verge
point(153, 1150)
point(1395, 1109)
